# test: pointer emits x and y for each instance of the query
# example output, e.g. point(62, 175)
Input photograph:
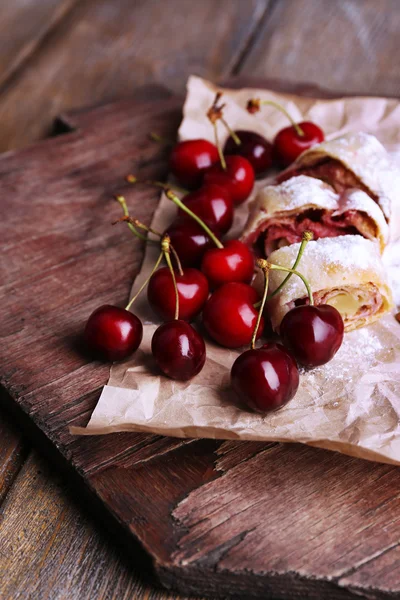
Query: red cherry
point(189, 159)
point(288, 144)
point(237, 178)
point(178, 350)
point(312, 333)
point(265, 378)
point(112, 332)
point(233, 262)
point(192, 291)
point(213, 205)
point(189, 240)
point(229, 315)
point(254, 147)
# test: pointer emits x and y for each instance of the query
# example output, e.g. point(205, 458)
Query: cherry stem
point(127, 218)
point(304, 280)
point(139, 224)
point(165, 245)
point(306, 237)
point(233, 135)
point(177, 260)
point(220, 153)
point(265, 266)
point(180, 204)
point(296, 126)
point(164, 186)
point(132, 300)
point(160, 139)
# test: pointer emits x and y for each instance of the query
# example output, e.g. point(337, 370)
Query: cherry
point(112, 332)
point(229, 315)
point(237, 178)
point(213, 204)
point(254, 147)
point(233, 262)
point(189, 240)
point(192, 289)
point(178, 349)
point(289, 143)
point(265, 378)
point(312, 333)
point(189, 160)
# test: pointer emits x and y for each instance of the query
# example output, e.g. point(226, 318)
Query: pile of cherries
point(199, 262)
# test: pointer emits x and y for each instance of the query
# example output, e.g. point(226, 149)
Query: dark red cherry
point(237, 178)
point(178, 350)
point(189, 160)
point(113, 333)
point(213, 204)
point(288, 144)
point(254, 147)
point(229, 315)
point(265, 378)
point(233, 262)
point(189, 240)
point(192, 291)
point(312, 333)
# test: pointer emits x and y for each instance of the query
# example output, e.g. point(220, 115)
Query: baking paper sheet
point(351, 405)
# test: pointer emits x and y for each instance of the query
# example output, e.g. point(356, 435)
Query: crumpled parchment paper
point(351, 405)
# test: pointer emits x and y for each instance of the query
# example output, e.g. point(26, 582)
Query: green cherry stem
point(166, 248)
point(265, 266)
point(306, 237)
point(128, 219)
point(231, 132)
point(132, 300)
point(164, 186)
point(257, 102)
point(304, 280)
point(170, 194)
point(160, 139)
point(220, 153)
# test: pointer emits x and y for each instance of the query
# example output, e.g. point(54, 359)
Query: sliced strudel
point(346, 272)
point(281, 213)
point(355, 160)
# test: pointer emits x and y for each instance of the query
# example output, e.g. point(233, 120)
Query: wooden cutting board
point(217, 518)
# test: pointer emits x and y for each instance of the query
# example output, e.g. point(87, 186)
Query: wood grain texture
point(24, 25)
point(252, 520)
point(346, 46)
point(43, 532)
point(13, 451)
point(105, 50)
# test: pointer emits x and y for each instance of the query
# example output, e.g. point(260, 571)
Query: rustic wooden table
point(61, 54)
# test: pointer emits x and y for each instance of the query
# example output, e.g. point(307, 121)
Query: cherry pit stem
point(306, 237)
point(254, 104)
point(154, 269)
point(170, 194)
point(164, 186)
point(128, 219)
point(215, 114)
point(295, 272)
point(166, 248)
point(265, 266)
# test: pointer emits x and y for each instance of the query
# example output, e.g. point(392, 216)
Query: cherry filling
point(283, 231)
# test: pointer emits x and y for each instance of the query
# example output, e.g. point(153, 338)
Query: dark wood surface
point(58, 55)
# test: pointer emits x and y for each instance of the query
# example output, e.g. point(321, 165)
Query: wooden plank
point(255, 519)
point(105, 50)
point(24, 25)
point(13, 451)
point(51, 548)
point(342, 46)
